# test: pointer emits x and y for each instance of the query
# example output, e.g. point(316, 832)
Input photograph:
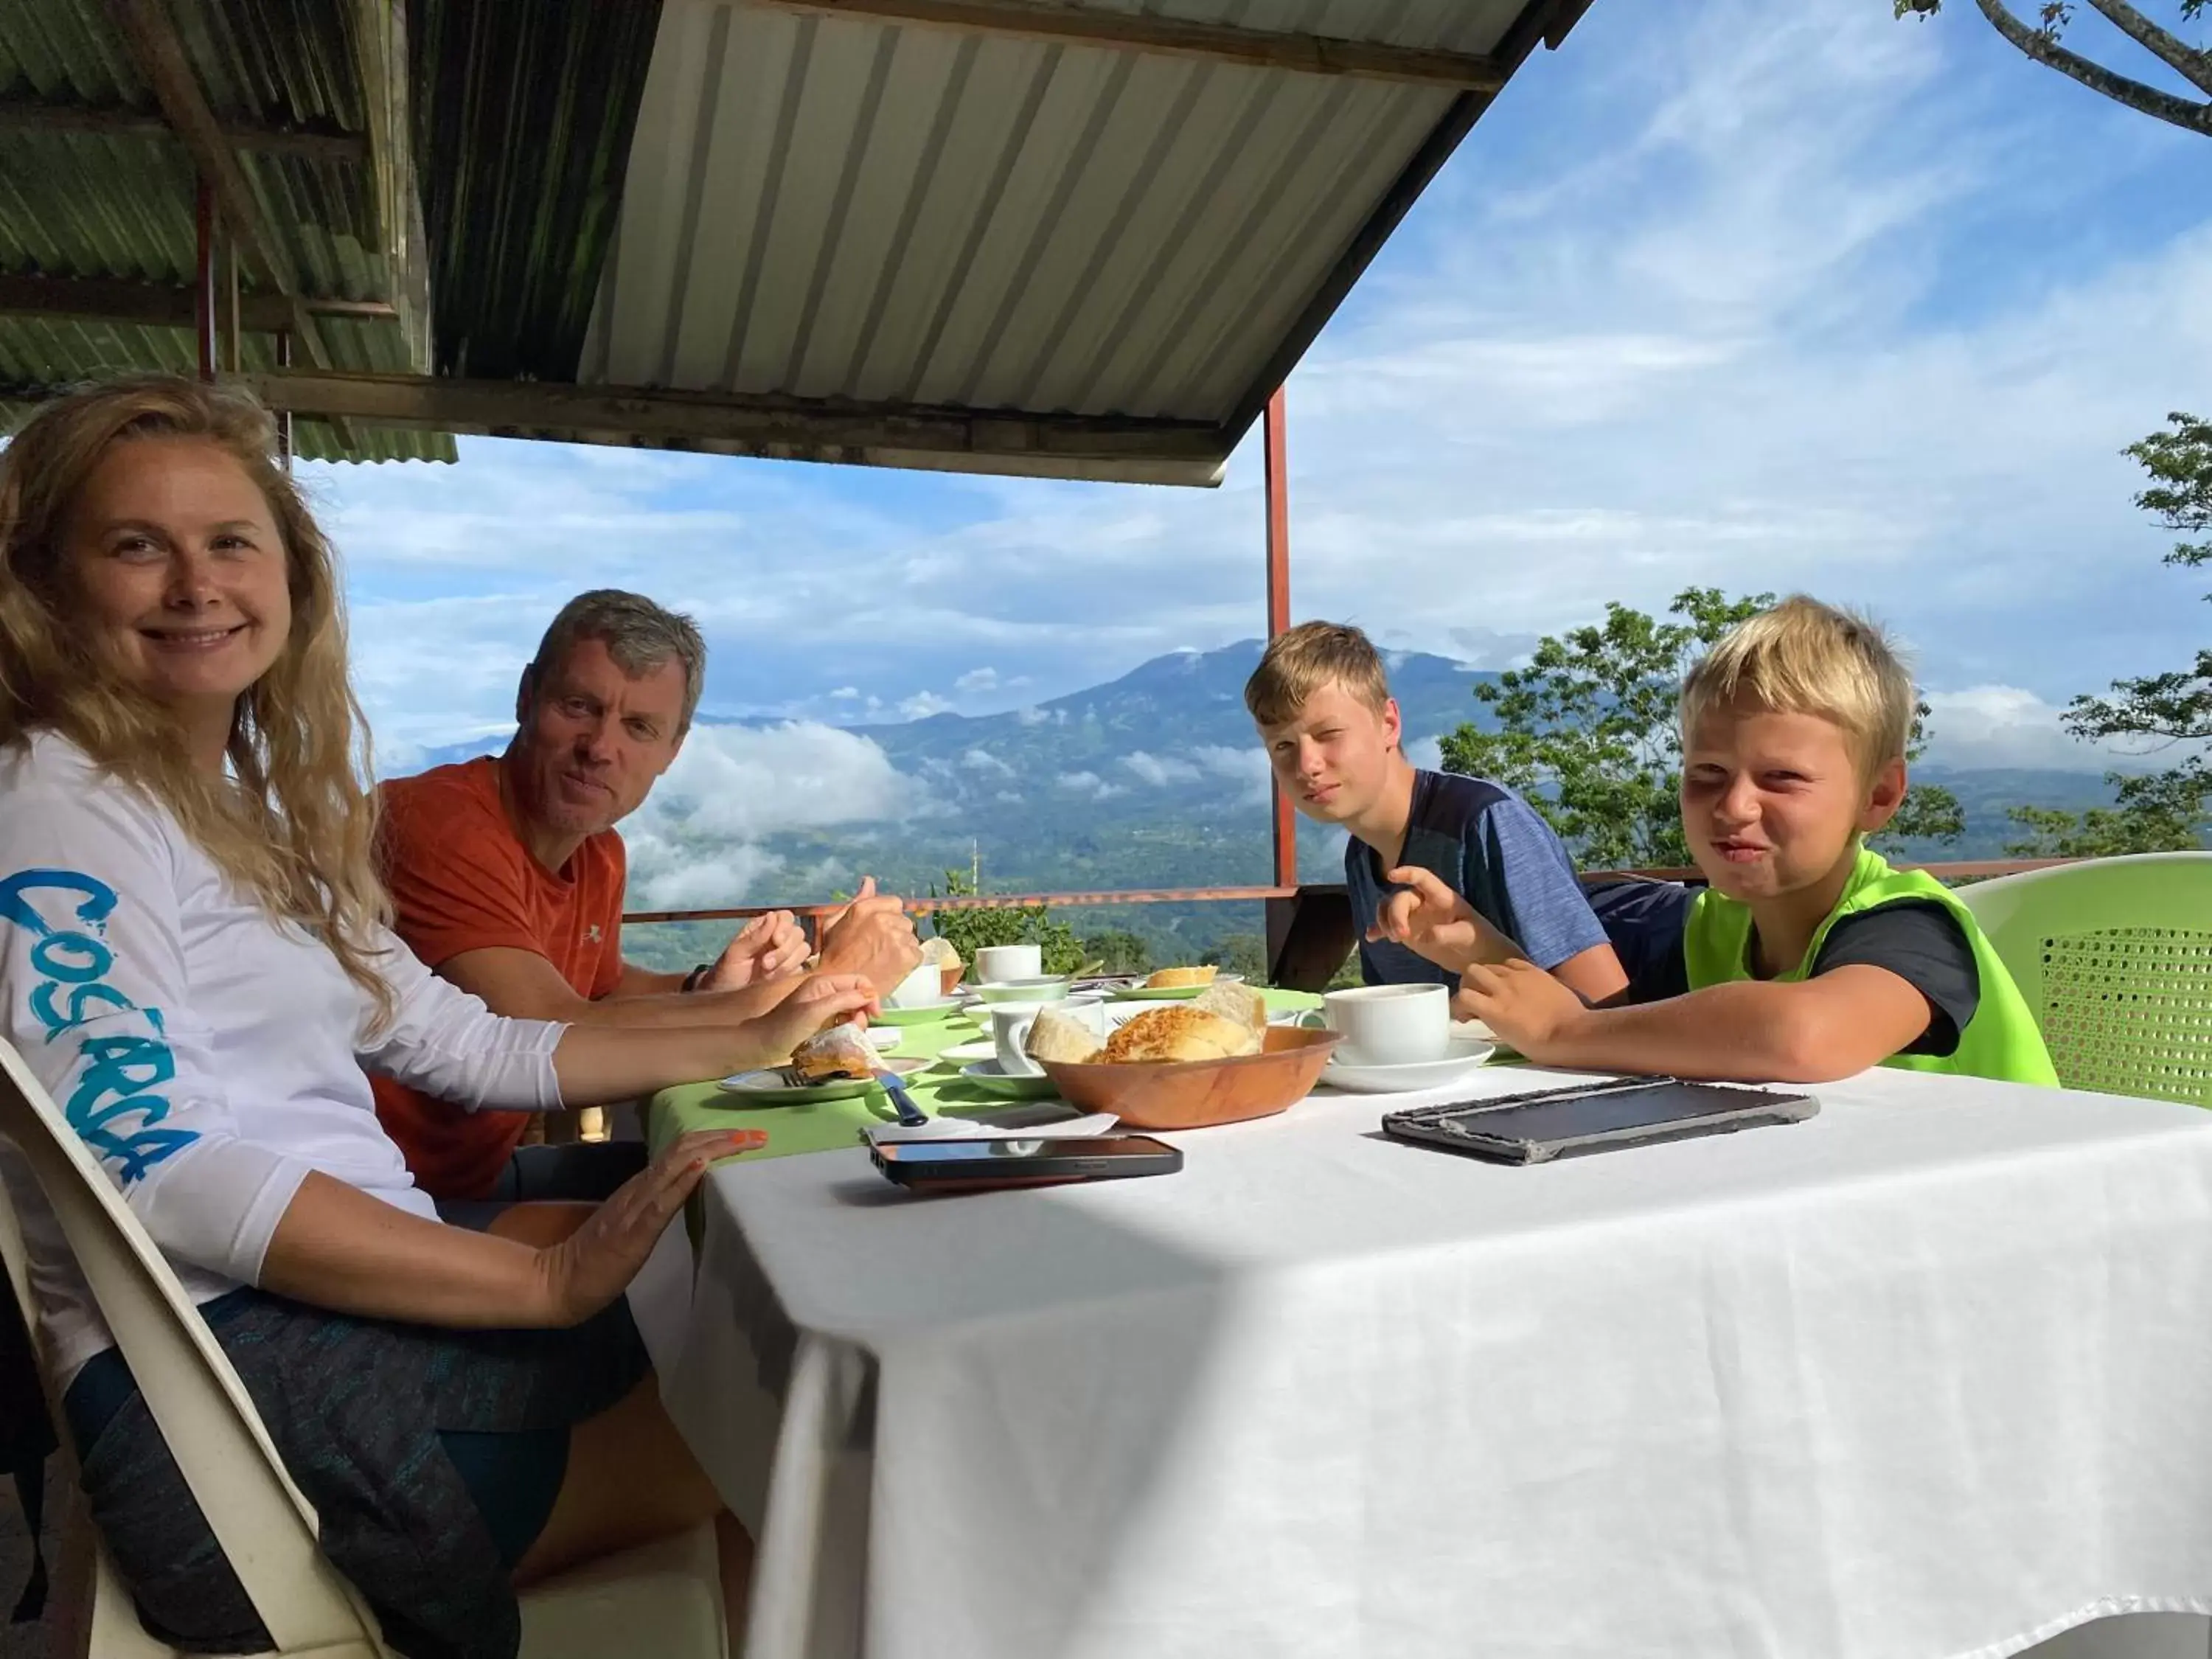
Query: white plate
point(923, 1014)
point(767, 1087)
point(986, 1075)
point(1173, 992)
point(966, 1054)
point(1464, 1060)
point(884, 1037)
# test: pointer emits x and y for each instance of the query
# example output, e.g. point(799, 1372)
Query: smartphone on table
point(1012, 1161)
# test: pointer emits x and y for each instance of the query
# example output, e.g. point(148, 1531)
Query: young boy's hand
point(1524, 1005)
point(1430, 920)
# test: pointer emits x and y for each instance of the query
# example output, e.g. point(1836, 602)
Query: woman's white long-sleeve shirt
point(209, 1055)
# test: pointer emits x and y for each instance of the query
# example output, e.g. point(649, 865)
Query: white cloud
point(1090, 784)
point(1159, 772)
point(922, 704)
point(1248, 768)
point(845, 692)
point(1425, 753)
point(977, 679)
point(2005, 725)
point(696, 840)
point(1032, 716)
point(982, 760)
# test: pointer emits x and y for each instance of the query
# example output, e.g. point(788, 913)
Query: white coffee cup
point(920, 988)
point(995, 964)
point(1390, 1024)
point(1010, 1022)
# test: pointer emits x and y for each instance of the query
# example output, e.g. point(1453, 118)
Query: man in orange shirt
point(507, 878)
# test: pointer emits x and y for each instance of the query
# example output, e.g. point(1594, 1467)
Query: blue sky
point(1725, 292)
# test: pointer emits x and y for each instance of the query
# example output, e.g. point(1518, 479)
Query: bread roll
point(843, 1050)
point(1239, 1004)
point(1061, 1038)
point(1180, 1033)
point(941, 951)
point(1174, 979)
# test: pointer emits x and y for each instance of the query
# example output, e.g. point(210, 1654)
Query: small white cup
point(1390, 1024)
point(997, 963)
point(1010, 1022)
point(919, 989)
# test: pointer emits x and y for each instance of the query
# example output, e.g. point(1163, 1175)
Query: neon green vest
point(2000, 1040)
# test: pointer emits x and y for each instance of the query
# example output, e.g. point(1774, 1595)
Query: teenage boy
point(1333, 736)
point(1807, 958)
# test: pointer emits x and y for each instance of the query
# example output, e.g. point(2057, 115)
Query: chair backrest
point(265, 1527)
point(2114, 956)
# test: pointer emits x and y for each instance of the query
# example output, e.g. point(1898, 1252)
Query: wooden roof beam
point(28, 115)
point(1219, 43)
point(150, 36)
point(161, 305)
point(782, 428)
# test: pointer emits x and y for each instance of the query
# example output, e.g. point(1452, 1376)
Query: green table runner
point(825, 1126)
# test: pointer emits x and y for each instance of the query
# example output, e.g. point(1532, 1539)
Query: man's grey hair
point(639, 634)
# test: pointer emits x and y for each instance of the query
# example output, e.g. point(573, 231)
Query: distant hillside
point(1154, 779)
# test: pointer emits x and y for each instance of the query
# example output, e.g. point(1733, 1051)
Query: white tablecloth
point(1928, 1376)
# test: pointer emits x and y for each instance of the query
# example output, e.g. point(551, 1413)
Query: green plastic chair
point(2114, 956)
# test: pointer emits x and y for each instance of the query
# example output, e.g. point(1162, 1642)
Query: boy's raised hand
point(1430, 920)
point(1523, 1003)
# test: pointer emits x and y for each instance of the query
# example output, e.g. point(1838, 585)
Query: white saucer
point(921, 1014)
point(884, 1037)
point(986, 1075)
point(957, 1054)
point(1465, 1059)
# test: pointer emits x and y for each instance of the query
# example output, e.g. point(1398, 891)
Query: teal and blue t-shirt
point(1492, 849)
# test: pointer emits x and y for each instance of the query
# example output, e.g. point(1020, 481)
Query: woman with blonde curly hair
point(194, 960)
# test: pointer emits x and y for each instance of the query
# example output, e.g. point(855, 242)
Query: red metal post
point(204, 284)
point(1278, 610)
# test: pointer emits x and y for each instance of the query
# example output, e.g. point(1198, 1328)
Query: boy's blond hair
point(1806, 658)
point(1301, 660)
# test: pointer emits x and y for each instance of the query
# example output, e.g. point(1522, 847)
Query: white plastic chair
point(2114, 956)
point(663, 1599)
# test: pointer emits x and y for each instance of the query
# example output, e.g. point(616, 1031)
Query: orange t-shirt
point(460, 880)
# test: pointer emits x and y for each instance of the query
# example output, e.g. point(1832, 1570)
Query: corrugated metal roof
point(832, 208)
point(91, 204)
point(523, 116)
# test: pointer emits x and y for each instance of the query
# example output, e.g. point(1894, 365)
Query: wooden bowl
point(1195, 1094)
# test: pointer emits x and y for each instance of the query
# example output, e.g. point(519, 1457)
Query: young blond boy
point(1322, 703)
point(1807, 958)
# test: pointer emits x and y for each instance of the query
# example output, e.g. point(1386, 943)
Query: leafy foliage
point(2165, 810)
point(1588, 732)
point(969, 931)
point(2043, 41)
point(1118, 951)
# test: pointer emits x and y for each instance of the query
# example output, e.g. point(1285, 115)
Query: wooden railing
point(1310, 928)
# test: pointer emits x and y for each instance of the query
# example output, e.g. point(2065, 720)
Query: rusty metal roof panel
point(832, 208)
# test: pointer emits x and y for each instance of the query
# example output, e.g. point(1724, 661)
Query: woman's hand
point(823, 1000)
point(595, 1264)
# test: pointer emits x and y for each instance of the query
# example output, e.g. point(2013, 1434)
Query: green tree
point(2044, 40)
point(1240, 953)
point(2161, 811)
point(1118, 951)
point(968, 931)
point(1588, 732)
